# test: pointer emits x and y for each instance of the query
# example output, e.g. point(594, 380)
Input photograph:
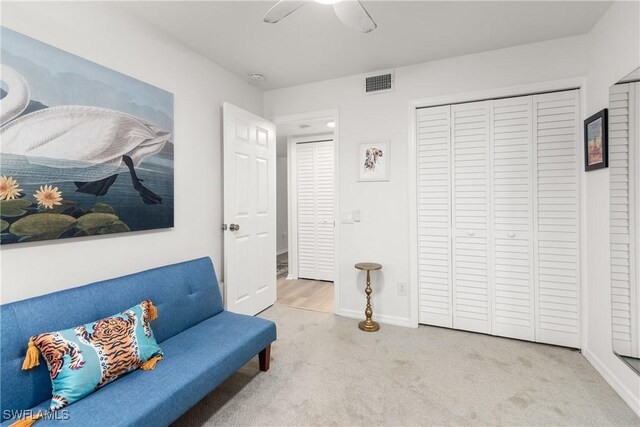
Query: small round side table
point(368, 325)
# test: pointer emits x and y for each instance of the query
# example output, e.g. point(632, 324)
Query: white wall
point(383, 234)
point(613, 52)
point(282, 210)
point(101, 33)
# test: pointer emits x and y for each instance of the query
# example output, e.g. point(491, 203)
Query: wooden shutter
point(622, 110)
point(306, 195)
point(324, 191)
point(470, 135)
point(512, 233)
point(557, 243)
point(434, 215)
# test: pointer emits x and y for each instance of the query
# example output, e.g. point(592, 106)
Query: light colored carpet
point(324, 371)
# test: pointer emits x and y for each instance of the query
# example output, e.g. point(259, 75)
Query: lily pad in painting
point(101, 223)
point(42, 226)
point(13, 208)
point(63, 206)
point(103, 208)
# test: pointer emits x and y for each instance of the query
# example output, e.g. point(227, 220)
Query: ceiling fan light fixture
point(327, 1)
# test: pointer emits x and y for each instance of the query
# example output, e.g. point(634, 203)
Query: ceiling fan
point(351, 12)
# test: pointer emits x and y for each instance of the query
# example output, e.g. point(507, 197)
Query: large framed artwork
point(84, 150)
point(374, 161)
point(596, 146)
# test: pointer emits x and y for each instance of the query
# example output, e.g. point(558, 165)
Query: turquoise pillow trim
point(90, 356)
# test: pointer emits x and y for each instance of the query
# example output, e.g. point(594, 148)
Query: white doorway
point(307, 207)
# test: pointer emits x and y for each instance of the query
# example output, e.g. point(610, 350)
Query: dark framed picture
point(596, 147)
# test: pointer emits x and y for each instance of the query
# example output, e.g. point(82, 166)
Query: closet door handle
point(511, 234)
point(470, 232)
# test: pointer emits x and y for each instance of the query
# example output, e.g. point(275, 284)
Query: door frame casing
point(292, 197)
point(329, 115)
point(505, 92)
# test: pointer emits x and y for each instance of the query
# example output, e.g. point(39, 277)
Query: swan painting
point(86, 145)
point(87, 135)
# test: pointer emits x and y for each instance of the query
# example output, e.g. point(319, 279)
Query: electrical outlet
point(402, 289)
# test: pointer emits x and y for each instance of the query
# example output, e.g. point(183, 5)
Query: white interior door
point(470, 136)
point(249, 211)
point(556, 124)
point(434, 215)
point(512, 237)
point(315, 209)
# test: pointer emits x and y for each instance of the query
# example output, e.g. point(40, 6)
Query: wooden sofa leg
point(264, 357)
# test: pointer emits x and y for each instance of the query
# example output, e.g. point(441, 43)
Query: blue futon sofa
point(203, 345)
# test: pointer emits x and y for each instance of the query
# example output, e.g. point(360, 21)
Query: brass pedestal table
point(368, 325)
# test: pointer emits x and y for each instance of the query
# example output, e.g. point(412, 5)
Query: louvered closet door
point(623, 106)
point(470, 135)
point(315, 200)
point(512, 234)
point(324, 191)
point(556, 137)
point(434, 215)
point(306, 197)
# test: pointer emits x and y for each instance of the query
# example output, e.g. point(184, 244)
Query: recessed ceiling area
point(304, 128)
point(311, 44)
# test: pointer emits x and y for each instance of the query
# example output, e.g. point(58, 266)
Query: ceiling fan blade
point(282, 9)
point(353, 14)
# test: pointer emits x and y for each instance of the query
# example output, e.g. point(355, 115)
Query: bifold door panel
point(624, 103)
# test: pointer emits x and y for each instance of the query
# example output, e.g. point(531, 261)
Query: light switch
point(356, 215)
point(347, 217)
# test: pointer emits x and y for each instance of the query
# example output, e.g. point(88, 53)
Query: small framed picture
point(596, 147)
point(374, 161)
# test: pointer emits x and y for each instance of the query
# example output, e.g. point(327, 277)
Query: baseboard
point(382, 318)
point(282, 251)
point(619, 388)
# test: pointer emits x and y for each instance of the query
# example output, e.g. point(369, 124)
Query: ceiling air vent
point(379, 83)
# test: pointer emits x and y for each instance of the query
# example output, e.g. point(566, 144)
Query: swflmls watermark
point(60, 415)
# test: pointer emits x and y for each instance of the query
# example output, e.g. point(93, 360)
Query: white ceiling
point(311, 127)
point(312, 45)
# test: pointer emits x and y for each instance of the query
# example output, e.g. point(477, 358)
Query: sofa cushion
point(90, 356)
point(185, 294)
point(195, 361)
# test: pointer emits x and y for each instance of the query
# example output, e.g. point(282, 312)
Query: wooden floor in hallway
point(307, 294)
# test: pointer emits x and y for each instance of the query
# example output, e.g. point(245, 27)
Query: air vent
point(379, 83)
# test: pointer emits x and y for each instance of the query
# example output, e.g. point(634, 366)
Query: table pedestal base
point(368, 326)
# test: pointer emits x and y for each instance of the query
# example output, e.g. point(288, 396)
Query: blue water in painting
point(157, 173)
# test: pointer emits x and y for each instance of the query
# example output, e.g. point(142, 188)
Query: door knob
point(511, 234)
point(470, 232)
point(234, 227)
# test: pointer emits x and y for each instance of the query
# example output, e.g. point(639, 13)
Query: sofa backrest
point(185, 294)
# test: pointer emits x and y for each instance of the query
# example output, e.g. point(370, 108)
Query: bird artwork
point(84, 150)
